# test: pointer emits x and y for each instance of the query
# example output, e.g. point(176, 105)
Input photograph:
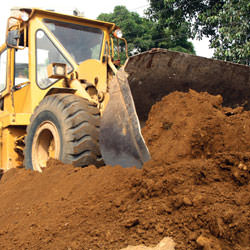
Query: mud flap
point(121, 141)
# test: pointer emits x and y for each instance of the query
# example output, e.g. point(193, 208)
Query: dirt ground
point(196, 188)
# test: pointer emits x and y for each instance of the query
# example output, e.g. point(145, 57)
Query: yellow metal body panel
point(9, 158)
point(14, 119)
point(94, 71)
point(22, 100)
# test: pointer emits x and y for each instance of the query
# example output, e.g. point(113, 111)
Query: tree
point(143, 34)
point(225, 22)
point(232, 37)
point(136, 30)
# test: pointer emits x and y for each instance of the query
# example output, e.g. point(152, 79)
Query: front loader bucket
point(121, 142)
point(158, 72)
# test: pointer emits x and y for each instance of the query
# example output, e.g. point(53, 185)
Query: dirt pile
point(195, 125)
point(195, 189)
point(200, 170)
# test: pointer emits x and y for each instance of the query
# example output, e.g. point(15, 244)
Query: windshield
point(82, 42)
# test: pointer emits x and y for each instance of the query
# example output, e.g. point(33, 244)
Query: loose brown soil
point(196, 188)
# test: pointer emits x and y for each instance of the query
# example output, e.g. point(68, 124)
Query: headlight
point(118, 33)
point(56, 70)
point(24, 16)
point(19, 14)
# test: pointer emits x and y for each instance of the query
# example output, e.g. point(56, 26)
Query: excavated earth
point(195, 190)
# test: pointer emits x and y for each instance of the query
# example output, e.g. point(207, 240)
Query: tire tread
point(80, 122)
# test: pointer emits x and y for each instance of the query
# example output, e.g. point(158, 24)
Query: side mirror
point(13, 38)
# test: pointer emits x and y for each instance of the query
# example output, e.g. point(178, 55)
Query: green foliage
point(225, 22)
point(232, 39)
point(143, 34)
point(136, 30)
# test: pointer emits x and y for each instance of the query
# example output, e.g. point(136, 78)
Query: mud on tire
point(70, 126)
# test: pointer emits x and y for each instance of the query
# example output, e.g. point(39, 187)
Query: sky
point(90, 8)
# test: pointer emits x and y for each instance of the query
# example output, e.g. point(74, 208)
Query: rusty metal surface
point(158, 72)
point(121, 142)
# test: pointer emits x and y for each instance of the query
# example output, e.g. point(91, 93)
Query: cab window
point(47, 53)
point(82, 42)
point(3, 66)
point(21, 66)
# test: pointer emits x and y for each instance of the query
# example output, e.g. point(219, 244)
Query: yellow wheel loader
point(63, 97)
point(61, 94)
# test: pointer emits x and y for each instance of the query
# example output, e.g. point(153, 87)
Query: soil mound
point(196, 188)
point(195, 125)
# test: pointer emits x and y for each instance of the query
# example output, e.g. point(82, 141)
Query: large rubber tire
point(65, 127)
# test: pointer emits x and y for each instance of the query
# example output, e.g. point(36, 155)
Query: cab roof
point(52, 14)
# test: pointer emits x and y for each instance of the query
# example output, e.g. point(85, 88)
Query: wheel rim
point(46, 144)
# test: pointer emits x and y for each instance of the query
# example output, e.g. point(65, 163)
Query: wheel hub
point(46, 144)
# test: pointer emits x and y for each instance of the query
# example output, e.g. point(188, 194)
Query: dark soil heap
point(196, 188)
